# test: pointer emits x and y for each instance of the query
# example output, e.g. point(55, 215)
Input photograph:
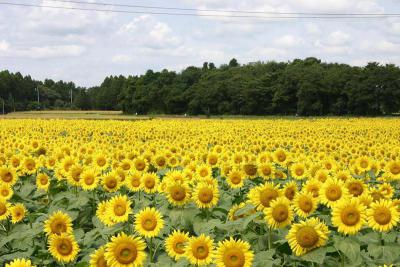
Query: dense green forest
point(304, 87)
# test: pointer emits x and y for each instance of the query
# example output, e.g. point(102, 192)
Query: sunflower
point(29, 166)
point(234, 253)
point(4, 210)
point(5, 192)
point(386, 190)
point(322, 175)
point(290, 190)
point(235, 178)
point(97, 258)
point(74, 175)
point(149, 222)
point(307, 235)
point(213, 159)
point(63, 247)
point(20, 263)
point(205, 195)
point(265, 169)
point(102, 214)
point(160, 161)
point(393, 169)
point(262, 195)
point(111, 182)
point(58, 223)
point(305, 204)
point(8, 176)
point(363, 164)
point(298, 171)
point(149, 182)
point(203, 171)
point(18, 212)
point(382, 215)
point(42, 181)
point(119, 209)
point(281, 157)
point(178, 194)
point(125, 251)
point(89, 179)
point(356, 187)
point(175, 244)
point(279, 214)
point(344, 176)
point(349, 216)
point(234, 209)
point(250, 169)
point(312, 186)
point(140, 164)
point(100, 161)
point(332, 191)
point(200, 250)
point(133, 181)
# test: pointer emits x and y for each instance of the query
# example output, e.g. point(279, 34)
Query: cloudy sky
point(84, 47)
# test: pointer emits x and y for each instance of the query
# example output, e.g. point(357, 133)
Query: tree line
point(304, 87)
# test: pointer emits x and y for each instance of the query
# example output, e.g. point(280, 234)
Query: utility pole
point(71, 97)
point(38, 97)
point(3, 105)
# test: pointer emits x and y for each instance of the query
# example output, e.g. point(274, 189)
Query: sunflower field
point(235, 193)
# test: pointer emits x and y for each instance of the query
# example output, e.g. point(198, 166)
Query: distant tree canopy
point(304, 87)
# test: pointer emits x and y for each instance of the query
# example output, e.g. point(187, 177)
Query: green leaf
point(205, 227)
point(389, 253)
point(249, 219)
point(264, 258)
point(349, 247)
point(316, 255)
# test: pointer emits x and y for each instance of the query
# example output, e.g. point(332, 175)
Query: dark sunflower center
point(3, 209)
point(307, 237)
point(280, 213)
point(149, 224)
point(333, 193)
point(350, 216)
point(289, 193)
point(119, 209)
point(125, 253)
point(206, 195)
point(355, 189)
point(179, 247)
point(200, 251)
point(58, 227)
point(111, 182)
point(234, 257)
point(250, 169)
point(65, 247)
point(382, 215)
point(178, 193)
point(305, 204)
point(7, 177)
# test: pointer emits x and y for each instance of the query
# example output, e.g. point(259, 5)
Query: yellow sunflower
point(236, 178)
point(133, 181)
point(125, 251)
point(281, 157)
point(140, 164)
point(279, 214)
point(356, 187)
point(8, 176)
point(18, 212)
point(382, 215)
point(149, 182)
point(119, 209)
point(58, 223)
point(42, 181)
point(332, 191)
point(89, 179)
point(265, 169)
point(175, 244)
point(393, 169)
point(111, 182)
point(200, 250)
point(234, 253)
point(178, 194)
point(63, 247)
point(5, 192)
point(205, 196)
point(298, 171)
point(20, 263)
point(305, 204)
point(29, 166)
point(203, 171)
point(102, 214)
point(262, 195)
point(307, 235)
point(4, 210)
point(290, 190)
point(74, 175)
point(97, 258)
point(349, 216)
point(313, 186)
point(149, 222)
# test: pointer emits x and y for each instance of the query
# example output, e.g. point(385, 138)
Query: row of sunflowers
point(235, 193)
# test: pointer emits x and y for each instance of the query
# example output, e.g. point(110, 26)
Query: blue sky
point(84, 47)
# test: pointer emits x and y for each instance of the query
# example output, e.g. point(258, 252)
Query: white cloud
point(338, 38)
point(55, 51)
point(288, 41)
point(121, 58)
point(4, 45)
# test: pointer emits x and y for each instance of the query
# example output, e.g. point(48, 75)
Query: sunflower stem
point(269, 238)
point(381, 238)
point(151, 250)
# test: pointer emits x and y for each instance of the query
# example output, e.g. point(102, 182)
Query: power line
point(223, 10)
point(196, 15)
